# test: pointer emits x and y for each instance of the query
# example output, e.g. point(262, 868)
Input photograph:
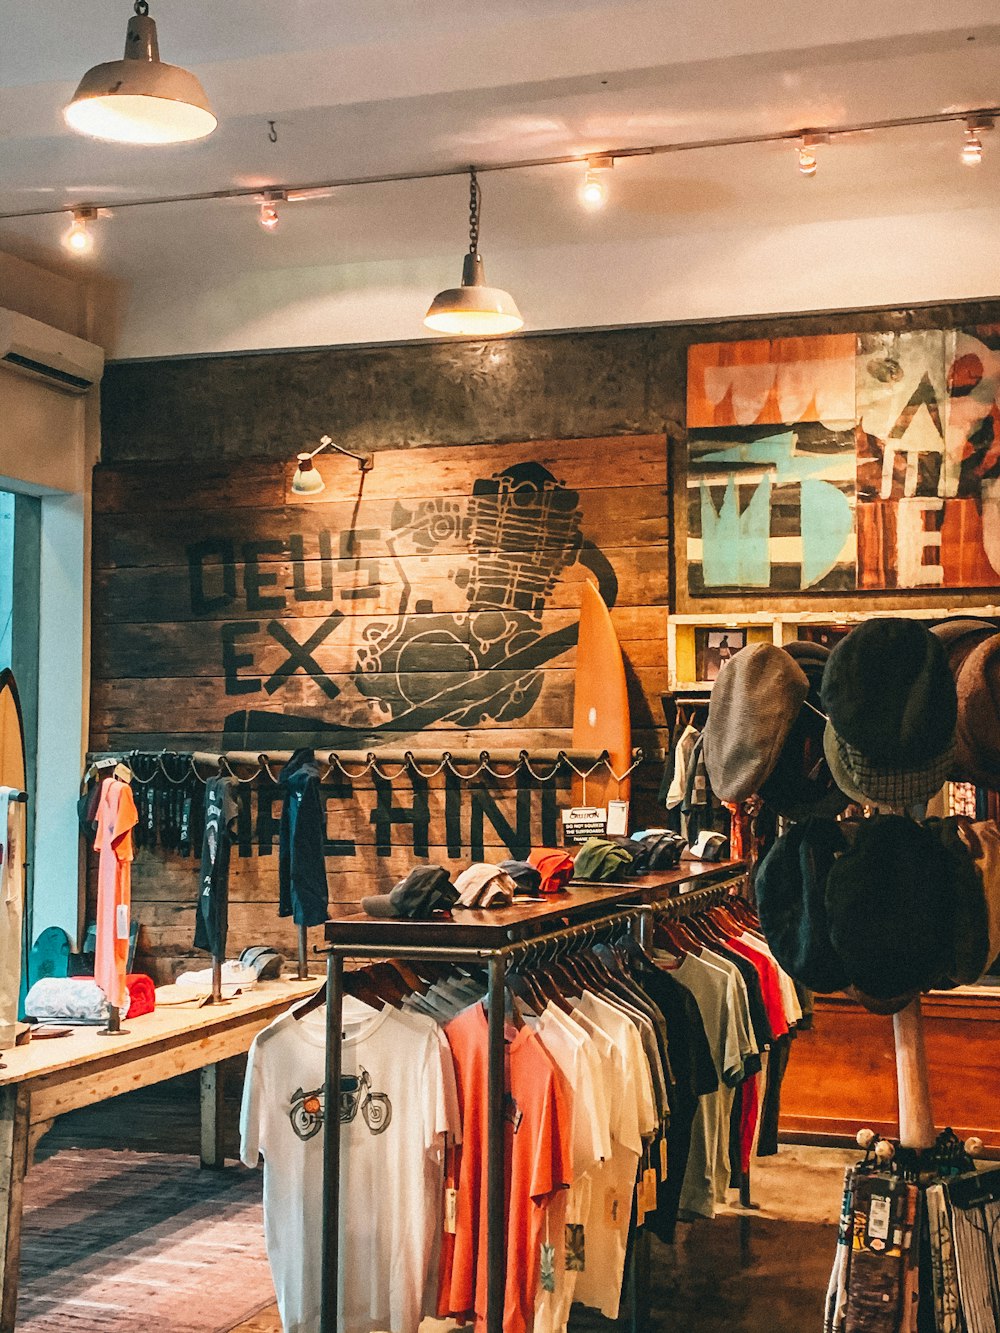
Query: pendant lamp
point(474, 308)
point(139, 99)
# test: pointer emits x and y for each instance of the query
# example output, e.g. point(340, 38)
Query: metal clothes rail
point(498, 959)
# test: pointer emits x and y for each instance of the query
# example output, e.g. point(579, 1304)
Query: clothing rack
point(634, 917)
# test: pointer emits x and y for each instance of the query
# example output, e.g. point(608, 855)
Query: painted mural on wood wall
point(844, 462)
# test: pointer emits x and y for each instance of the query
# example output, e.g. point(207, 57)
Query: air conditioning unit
point(29, 347)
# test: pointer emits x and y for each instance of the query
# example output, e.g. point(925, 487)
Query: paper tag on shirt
point(548, 1273)
point(663, 1158)
point(640, 1201)
point(879, 1217)
point(450, 1211)
point(614, 1210)
point(649, 1179)
point(121, 921)
point(576, 1248)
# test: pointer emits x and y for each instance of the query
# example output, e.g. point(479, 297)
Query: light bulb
point(972, 149)
point(807, 160)
point(78, 238)
point(268, 216)
point(594, 192)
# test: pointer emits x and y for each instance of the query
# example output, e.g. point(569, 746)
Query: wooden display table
point(44, 1079)
point(840, 1075)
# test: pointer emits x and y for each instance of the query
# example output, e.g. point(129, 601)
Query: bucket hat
point(791, 901)
point(755, 701)
point(891, 702)
point(424, 891)
point(894, 902)
point(977, 736)
point(801, 783)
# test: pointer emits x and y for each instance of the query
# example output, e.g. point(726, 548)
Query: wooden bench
point(46, 1078)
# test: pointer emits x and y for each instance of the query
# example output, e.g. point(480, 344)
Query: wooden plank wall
point(432, 602)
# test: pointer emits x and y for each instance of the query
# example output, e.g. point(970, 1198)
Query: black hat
point(424, 891)
point(802, 784)
point(891, 702)
point(755, 700)
point(791, 898)
point(891, 906)
point(524, 875)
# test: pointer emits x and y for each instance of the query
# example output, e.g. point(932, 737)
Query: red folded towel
point(141, 994)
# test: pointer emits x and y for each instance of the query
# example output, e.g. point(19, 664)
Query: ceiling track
point(257, 192)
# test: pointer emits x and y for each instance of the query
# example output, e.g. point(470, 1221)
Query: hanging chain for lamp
point(475, 205)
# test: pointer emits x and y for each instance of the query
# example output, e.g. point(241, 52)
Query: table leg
point(15, 1104)
point(213, 1152)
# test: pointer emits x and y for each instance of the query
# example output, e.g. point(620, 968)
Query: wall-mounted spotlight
point(268, 216)
point(972, 146)
point(78, 239)
point(307, 480)
point(807, 145)
point(594, 191)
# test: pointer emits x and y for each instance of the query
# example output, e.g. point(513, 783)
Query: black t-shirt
point(212, 915)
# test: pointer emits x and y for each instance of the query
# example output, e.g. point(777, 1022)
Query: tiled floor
point(742, 1273)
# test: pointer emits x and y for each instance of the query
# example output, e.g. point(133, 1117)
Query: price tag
point(450, 1211)
point(649, 1177)
point(618, 817)
point(121, 921)
point(548, 1273)
point(614, 1213)
point(640, 1200)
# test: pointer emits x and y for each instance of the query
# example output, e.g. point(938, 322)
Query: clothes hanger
point(356, 984)
point(679, 941)
point(406, 974)
point(389, 984)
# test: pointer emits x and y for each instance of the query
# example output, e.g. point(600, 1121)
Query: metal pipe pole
point(330, 1274)
point(303, 947)
point(496, 1219)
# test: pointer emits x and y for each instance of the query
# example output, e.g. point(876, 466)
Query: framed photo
point(714, 647)
point(828, 635)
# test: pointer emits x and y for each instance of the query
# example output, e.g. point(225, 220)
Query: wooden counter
point(842, 1075)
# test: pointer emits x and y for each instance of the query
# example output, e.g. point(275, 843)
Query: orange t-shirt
point(116, 818)
point(538, 1153)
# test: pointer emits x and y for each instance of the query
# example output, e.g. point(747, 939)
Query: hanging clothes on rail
point(116, 819)
point(397, 1108)
point(302, 889)
point(212, 912)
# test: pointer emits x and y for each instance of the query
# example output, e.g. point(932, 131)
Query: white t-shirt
point(397, 1102)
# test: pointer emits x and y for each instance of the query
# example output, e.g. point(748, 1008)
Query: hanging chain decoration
point(475, 208)
point(148, 766)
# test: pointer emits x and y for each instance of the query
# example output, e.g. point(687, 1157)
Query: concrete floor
point(762, 1271)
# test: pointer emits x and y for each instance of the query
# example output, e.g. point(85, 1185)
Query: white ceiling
point(387, 86)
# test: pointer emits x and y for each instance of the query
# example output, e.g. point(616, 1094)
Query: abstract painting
point(844, 462)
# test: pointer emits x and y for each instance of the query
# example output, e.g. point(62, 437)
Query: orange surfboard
point(601, 718)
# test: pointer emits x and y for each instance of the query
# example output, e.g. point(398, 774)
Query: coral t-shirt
point(116, 818)
point(538, 1126)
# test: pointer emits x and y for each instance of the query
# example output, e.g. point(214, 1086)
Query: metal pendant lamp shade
point(139, 99)
point(474, 308)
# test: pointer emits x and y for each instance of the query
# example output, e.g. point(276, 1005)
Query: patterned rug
point(118, 1240)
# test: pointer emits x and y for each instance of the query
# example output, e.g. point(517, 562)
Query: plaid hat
point(526, 878)
point(601, 859)
point(891, 906)
point(482, 885)
point(790, 886)
point(554, 867)
point(802, 783)
point(755, 701)
point(977, 739)
point(424, 891)
point(890, 698)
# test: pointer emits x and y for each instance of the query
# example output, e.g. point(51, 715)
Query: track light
point(139, 99)
point(268, 216)
point(473, 308)
point(808, 161)
point(972, 147)
point(78, 239)
point(594, 192)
